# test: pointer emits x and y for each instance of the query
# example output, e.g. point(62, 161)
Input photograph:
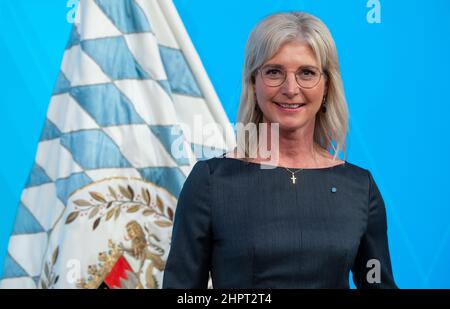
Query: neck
point(296, 148)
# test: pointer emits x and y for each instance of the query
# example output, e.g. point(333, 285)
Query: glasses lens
point(308, 77)
point(273, 76)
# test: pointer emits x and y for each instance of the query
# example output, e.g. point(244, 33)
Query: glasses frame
point(285, 76)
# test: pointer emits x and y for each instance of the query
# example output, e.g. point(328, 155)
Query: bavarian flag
point(117, 145)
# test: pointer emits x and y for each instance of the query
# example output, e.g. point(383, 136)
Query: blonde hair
point(265, 40)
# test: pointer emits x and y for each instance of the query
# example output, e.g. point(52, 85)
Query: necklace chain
point(293, 178)
point(295, 172)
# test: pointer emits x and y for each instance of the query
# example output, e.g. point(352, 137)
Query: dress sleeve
point(373, 249)
point(189, 259)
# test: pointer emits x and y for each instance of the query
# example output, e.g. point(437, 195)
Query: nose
point(290, 87)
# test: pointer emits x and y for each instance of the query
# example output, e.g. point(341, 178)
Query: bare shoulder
point(332, 162)
point(231, 154)
point(328, 160)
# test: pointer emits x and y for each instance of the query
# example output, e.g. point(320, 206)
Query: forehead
point(293, 55)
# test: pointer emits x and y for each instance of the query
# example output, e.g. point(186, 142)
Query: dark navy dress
point(254, 228)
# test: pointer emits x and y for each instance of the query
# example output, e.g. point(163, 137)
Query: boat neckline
point(285, 167)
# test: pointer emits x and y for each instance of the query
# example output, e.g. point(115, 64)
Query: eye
point(307, 73)
point(272, 72)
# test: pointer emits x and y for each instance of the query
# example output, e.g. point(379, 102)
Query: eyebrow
point(275, 65)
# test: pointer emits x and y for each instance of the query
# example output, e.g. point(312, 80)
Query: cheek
point(314, 96)
point(263, 93)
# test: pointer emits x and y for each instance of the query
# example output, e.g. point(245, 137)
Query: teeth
point(292, 106)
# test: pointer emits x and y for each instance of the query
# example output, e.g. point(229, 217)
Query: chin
point(295, 124)
point(288, 123)
point(290, 128)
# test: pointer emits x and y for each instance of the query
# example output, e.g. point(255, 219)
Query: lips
point(290, 106)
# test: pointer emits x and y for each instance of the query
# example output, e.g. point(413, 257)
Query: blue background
point(395, 76)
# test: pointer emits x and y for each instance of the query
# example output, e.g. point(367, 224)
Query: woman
point(309, 220)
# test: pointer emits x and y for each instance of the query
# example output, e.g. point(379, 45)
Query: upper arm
point(188, 263)
point(372, 267)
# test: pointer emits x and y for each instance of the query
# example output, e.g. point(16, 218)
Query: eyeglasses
point(307, 77)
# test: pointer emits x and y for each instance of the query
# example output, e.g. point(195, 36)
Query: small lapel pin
point(333, 189)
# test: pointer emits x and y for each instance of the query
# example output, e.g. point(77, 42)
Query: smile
point(289, 105)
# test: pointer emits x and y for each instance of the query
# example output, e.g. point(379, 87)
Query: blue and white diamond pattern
point(129, 76)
